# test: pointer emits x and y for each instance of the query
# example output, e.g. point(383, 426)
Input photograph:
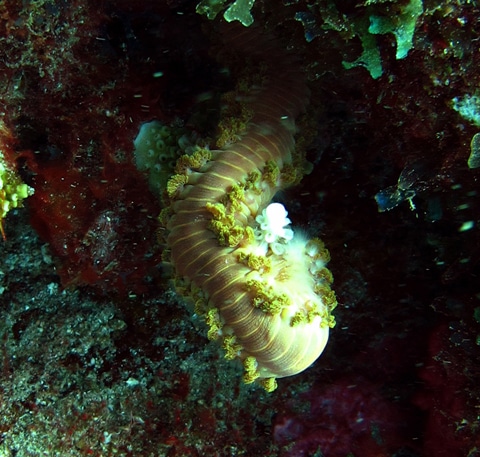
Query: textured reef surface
point(112, 111)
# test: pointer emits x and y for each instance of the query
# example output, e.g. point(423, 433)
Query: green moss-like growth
point(370, 57)
point(231, 347)
point(265, 298)
point(251, 373)
point(373, 17)
point(12, 190)
point(210, 8)
point(402, 26)
point(269, 384)
point(398, 20)
point(239, 10)
point(212, 319)
point(194, 161)
point(175, 185)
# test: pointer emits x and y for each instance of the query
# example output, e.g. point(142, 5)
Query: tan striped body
point(279, 348)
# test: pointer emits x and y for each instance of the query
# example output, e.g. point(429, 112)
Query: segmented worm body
point(268, 303)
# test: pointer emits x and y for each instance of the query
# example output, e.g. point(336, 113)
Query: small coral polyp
point(264, 291)
point(272, 232)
